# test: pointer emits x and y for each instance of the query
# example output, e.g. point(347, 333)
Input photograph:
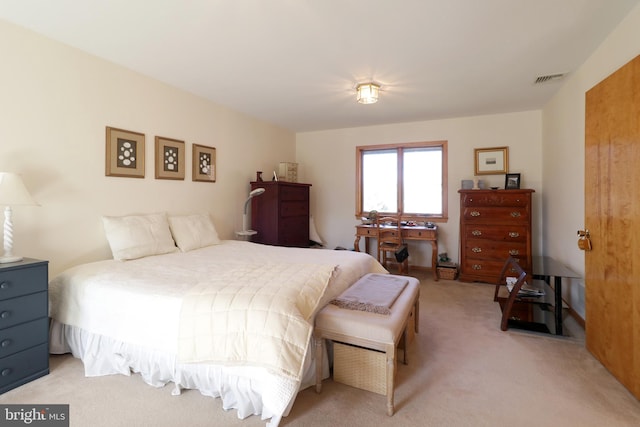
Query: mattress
point(124, 316)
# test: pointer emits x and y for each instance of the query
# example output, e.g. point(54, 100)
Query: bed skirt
point(249, 390)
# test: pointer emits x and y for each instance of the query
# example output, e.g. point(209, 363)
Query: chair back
point(389, 231)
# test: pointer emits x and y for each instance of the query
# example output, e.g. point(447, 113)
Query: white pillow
point(137, 236)
point(193, 231)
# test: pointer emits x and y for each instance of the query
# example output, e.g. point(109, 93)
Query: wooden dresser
point(494, 224)
point(281, 214)
point(24, 322)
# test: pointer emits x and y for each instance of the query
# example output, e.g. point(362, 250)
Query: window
point(410, 179)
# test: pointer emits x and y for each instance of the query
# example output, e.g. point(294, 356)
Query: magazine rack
point(517, 296)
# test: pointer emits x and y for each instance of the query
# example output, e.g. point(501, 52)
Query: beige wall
point(327, 161)
point(55, 103)
point(563, 149)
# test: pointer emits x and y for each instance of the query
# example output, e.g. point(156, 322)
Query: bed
point(232, 319)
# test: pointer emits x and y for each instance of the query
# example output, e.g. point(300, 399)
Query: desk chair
point(390, 241)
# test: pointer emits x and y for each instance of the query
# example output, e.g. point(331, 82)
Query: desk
point(545, 268)
point(408, 233)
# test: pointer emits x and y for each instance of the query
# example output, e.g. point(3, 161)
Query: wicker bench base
point(365, 343)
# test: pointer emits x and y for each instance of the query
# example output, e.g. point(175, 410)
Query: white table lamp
point(12, 193)
point(246, 232)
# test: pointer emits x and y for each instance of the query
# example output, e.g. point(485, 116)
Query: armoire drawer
point(294, 208)
point(294, 193)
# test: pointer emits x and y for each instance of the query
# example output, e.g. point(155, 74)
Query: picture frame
point(169, 158)
point(491, 161)
point(124, 153)
point(512, 181)
point(203, 163)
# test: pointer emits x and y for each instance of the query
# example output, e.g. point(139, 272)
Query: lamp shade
point(12, 191)
point(367, 93)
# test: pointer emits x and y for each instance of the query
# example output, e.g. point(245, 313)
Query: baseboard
point(577, 317)
point(420, 268)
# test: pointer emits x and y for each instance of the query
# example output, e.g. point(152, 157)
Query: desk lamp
point(252, 194)
point(12, 193)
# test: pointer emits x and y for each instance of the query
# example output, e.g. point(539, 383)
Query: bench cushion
point(371, 326)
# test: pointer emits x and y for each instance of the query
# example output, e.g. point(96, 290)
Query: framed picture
point(204, 163)
point(125, 153)
point(169, 158)
point(512, 181)
point(492, 161)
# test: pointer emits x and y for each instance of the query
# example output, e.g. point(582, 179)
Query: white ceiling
point(295, 63)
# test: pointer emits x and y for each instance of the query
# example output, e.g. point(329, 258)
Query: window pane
point(422, 180)
point(380, 181)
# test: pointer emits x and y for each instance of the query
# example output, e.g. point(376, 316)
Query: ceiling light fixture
point(367, 93)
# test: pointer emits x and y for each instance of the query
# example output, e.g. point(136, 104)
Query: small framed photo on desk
point(512, 181)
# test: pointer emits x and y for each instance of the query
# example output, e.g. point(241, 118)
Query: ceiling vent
point(549, 78)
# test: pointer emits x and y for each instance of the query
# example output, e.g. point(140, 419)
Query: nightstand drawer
point(23, 309)
point(23, 367)
point(23, 336)
point(17, 282)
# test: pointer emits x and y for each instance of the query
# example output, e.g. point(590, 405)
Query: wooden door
point(612, 216)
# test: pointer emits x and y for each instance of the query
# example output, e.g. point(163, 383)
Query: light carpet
point(463, 371)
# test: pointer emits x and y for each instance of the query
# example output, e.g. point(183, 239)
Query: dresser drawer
point(294, 231)
point(23, 309)
point(496, 215)
point(495, 249)
point(290, 192)
point(17, 282)
point(417, 233)
point(488, 266)
point(294, 209)
point(23, 367)
point(509, 233)
point(23, 336)
point(495, 199)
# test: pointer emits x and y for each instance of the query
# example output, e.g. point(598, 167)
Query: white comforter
point(139, 303)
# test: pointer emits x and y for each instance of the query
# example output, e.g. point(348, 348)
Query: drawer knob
point(476, 233)
point(6, 372)
point(476, 267)
point(514, 234)
point(514, 252)
point(476, 250)
point(475, 213)
point(5, 343)
point(515, 214)
point(5, 314)
point(5, 285)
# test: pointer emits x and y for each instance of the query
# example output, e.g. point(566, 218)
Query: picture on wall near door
point(491, 161)
point(512, 181)
point(124, 153)
point(204, 163)
point(169, 158)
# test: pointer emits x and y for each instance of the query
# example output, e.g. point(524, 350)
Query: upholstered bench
point(369, 340)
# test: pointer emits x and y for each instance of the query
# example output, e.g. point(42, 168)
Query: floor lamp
point(12, 193)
